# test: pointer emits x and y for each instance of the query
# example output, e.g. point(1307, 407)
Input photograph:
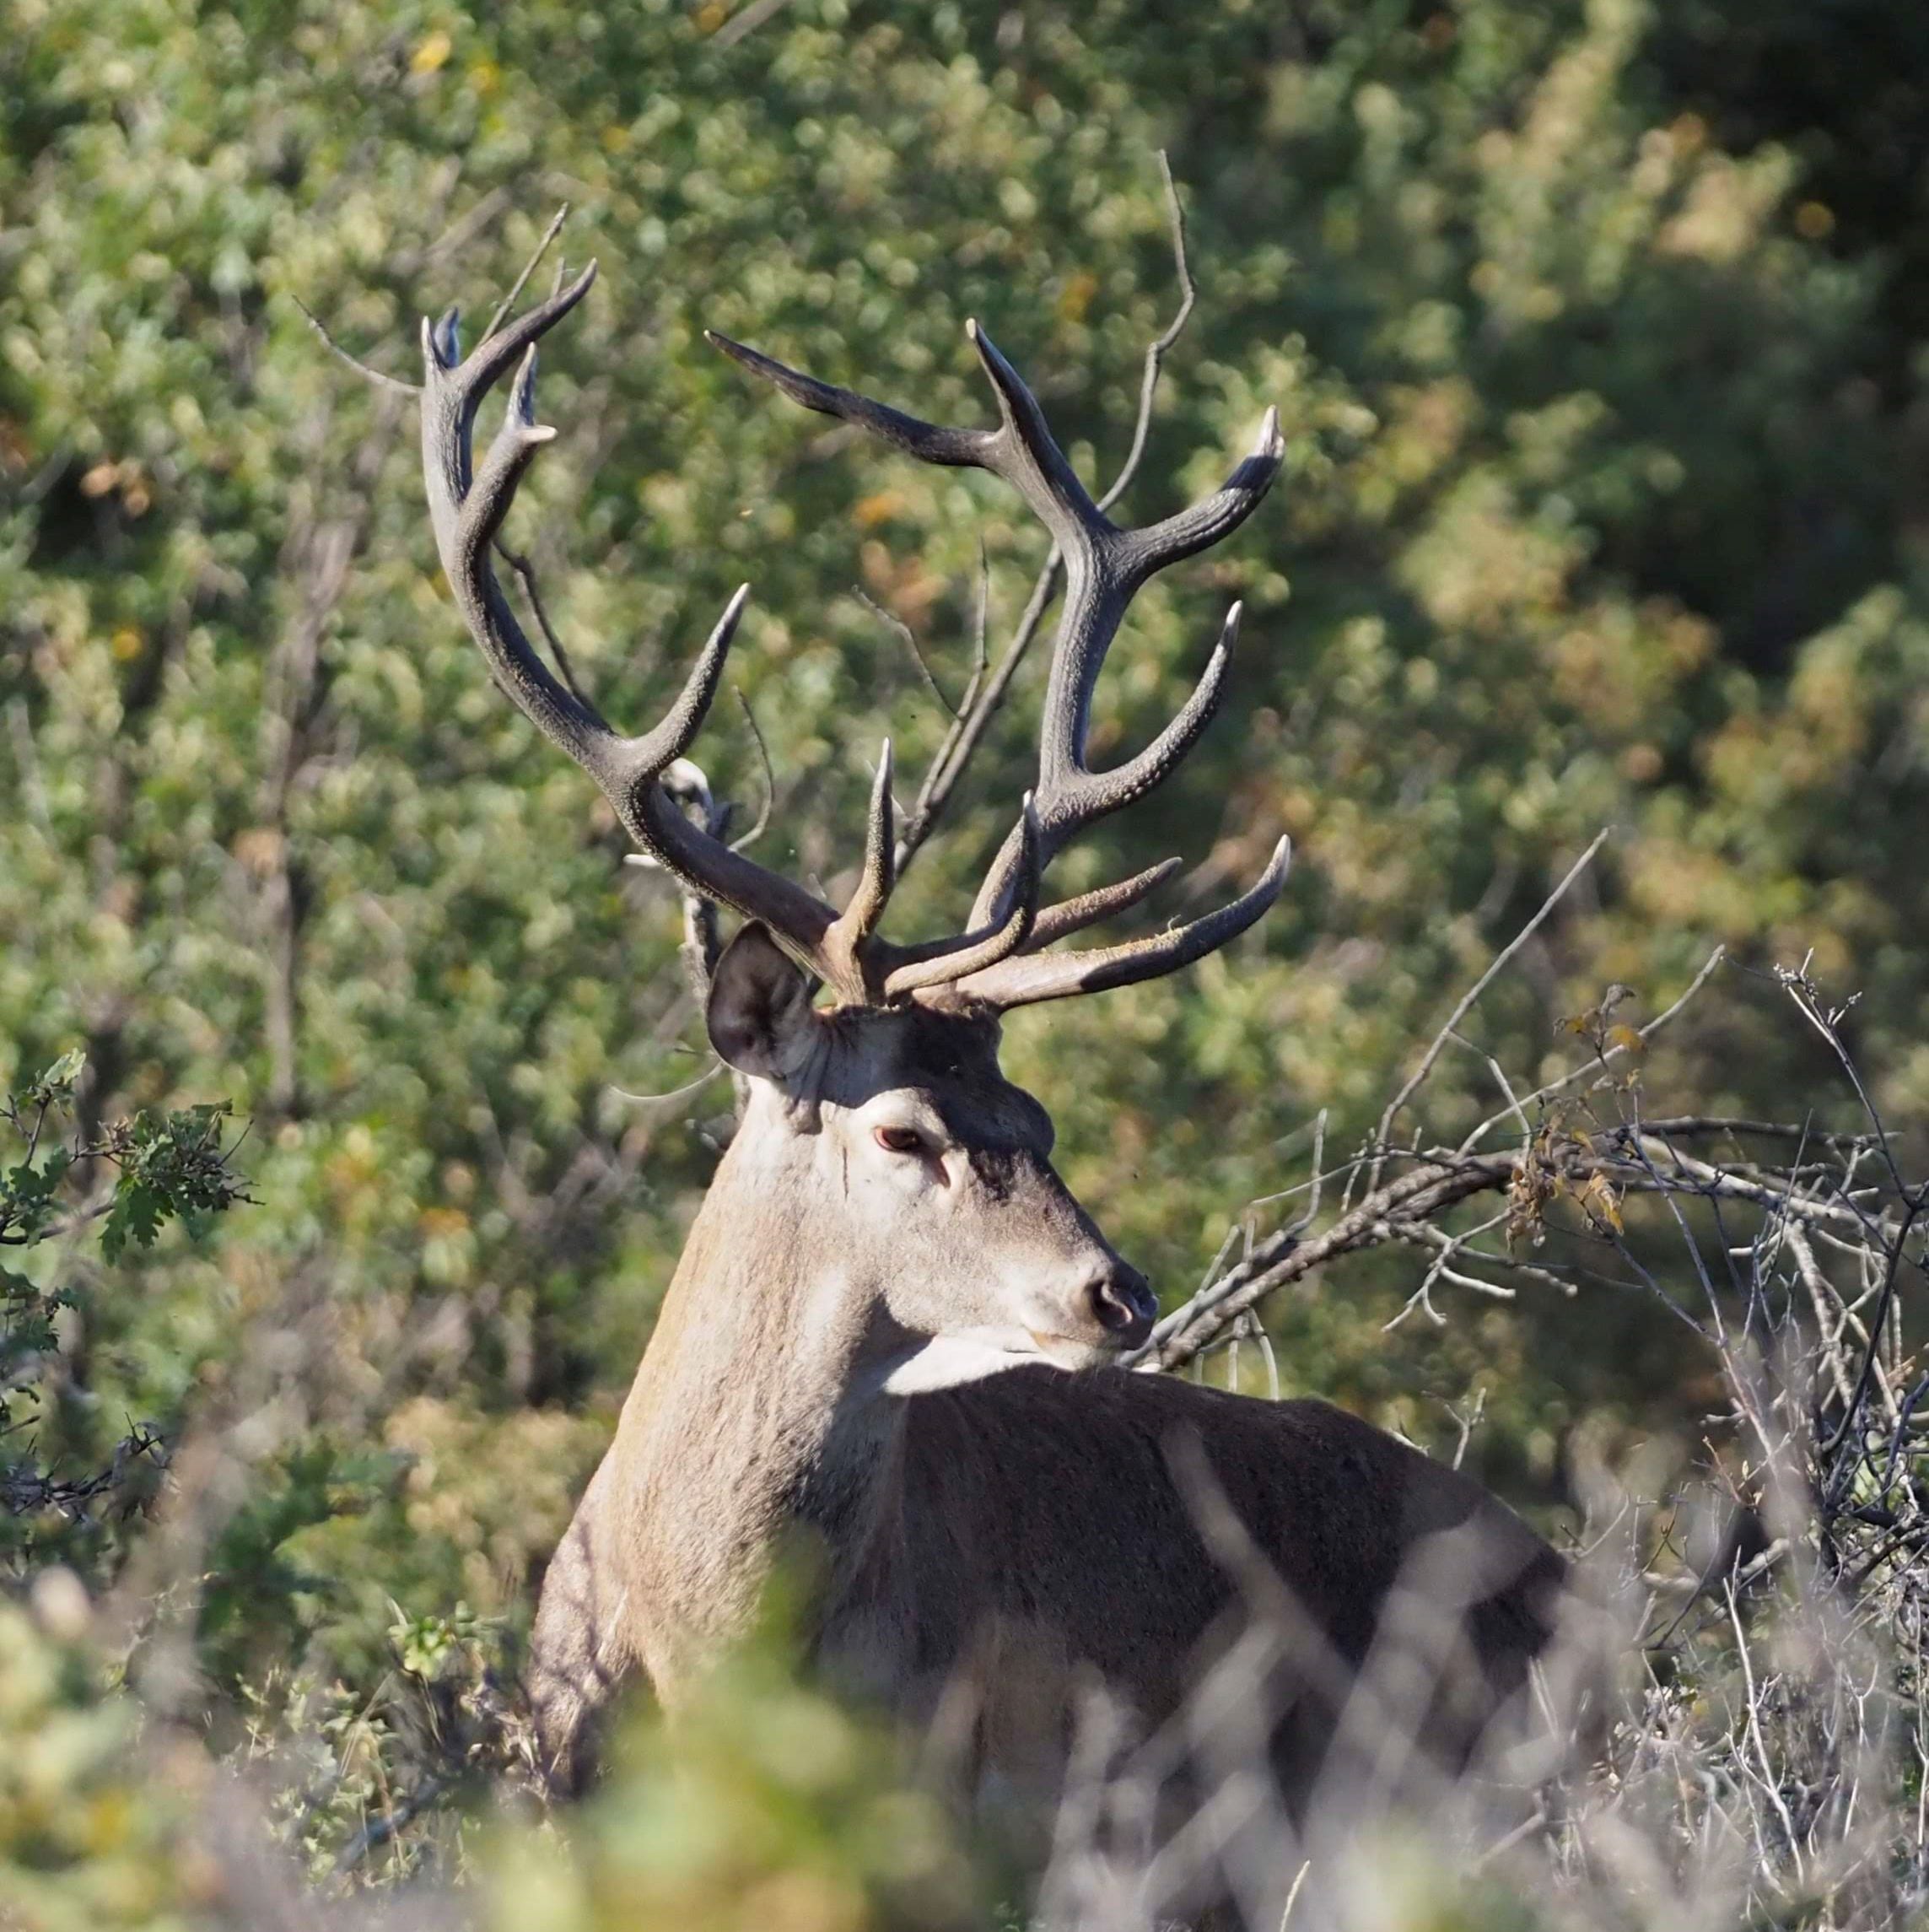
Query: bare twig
point(1596, 1066)
point(745, 21)
point(525, 575)
point(507, 305)
point(380, 377)
point(761, 822)
point(909, 640)
point(1432, 1188)
point(1161, 345)
point(397, 1817)
point(1412, 1084)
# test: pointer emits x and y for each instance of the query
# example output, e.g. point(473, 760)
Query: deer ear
point(759, 1014)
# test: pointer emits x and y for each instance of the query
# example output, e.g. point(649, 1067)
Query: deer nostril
point(1123, 1303)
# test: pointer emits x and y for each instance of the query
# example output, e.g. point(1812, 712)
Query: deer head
point(887, 1141)
point(880, 1133)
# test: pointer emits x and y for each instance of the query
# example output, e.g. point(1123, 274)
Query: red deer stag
point(891, 1329)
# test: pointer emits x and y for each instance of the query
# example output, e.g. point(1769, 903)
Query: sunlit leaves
point(1581, 462)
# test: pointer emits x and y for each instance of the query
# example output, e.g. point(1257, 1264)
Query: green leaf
point(136, 1215)
point(65, 1071)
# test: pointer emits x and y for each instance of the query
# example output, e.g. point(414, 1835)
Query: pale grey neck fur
point(757, 1409)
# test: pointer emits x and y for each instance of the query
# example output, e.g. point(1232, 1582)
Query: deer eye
point(900, 1140)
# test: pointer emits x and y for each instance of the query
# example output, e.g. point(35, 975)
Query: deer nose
point(1122, 1303)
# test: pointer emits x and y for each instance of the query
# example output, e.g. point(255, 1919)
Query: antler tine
point(1027, 454)
point(1026, 980)
point(1205, 522)
point(948, 961)
point(956, 449)
point(1072, 915)
point(1076, 796)
point(880, 873)
point(466, 509)
point(846, 944)
point(1021, 449)
point(1105, 566)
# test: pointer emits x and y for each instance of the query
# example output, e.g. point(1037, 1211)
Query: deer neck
point(755, 1420)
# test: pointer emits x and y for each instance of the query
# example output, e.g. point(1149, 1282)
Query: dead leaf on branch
point(1535, 1184)
point(1559, 1161)
point(1601, 1202)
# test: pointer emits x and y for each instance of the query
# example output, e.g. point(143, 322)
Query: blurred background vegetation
point(1597, 336)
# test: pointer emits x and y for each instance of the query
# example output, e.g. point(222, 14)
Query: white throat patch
point(947, 1361)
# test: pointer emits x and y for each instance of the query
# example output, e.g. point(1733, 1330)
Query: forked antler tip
point(568, 292)
point(567, 295)
point(442, 339)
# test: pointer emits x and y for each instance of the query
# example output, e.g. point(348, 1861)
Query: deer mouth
point(1068, 1352)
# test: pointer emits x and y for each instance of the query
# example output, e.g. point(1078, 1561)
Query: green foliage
point(90, 1838)
point(165, 1166)
point(368, 1785)
point(1601, 506)
point(173, 1165)
point(769, 1805)
point(261, 1589)
point(158, 1166)
point(772, 1808)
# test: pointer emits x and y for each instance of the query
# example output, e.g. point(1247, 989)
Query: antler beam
point(1105, 568)
point(467, 505)
point(996, 962)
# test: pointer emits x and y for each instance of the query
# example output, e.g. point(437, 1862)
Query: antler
point(467, 505)
point(1105, 568)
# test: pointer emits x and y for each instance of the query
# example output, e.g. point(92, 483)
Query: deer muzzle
point(1108, 1310)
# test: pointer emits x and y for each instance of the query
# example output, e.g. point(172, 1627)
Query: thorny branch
point(1570, 1151)
point(1781, 1623)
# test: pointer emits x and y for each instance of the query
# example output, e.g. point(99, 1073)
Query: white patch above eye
point(947, 1361)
